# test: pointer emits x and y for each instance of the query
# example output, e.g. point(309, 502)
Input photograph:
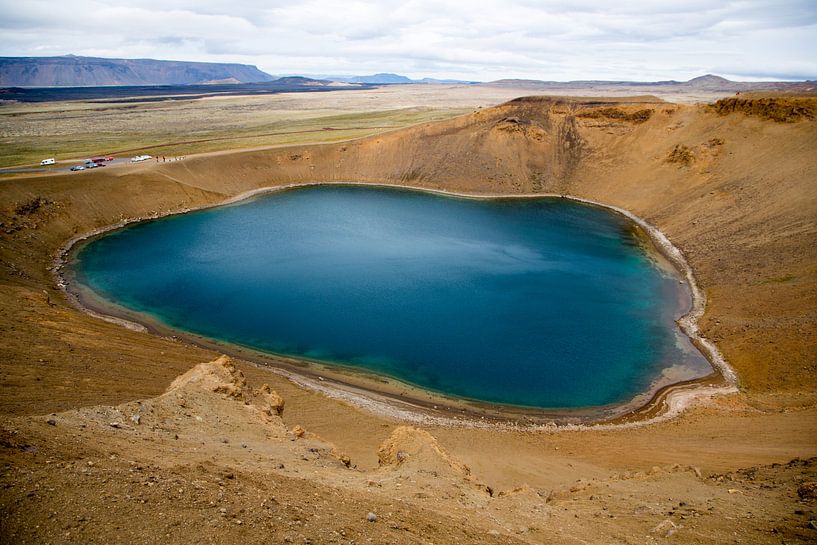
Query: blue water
point(541, 303)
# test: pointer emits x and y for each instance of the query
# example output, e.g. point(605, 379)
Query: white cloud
point(483, 39)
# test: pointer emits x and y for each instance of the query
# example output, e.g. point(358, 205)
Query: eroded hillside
point(733, 189)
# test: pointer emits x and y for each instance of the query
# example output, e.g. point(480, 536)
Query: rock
point(298, 431)
point(51, 422)
point(345, 460)
point(578, 487)
point(219, 376)
point(665, 528)
point(812, 524)
point(116, 425)
point(807, 490)
point(136, 419)
point(48, 300)
point(274, 401)
point(371, 517)
point(409, 445)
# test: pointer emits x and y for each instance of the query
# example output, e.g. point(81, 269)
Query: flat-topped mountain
point(73, 71)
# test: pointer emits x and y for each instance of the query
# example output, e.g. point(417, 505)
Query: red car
point(109, 158)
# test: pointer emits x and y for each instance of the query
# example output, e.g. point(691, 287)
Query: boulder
point(218, 376)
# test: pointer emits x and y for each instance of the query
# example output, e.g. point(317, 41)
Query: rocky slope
point(212, 461)
point(731, 185)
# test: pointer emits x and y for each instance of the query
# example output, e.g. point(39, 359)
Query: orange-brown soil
point(211, 459)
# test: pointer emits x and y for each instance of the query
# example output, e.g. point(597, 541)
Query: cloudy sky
point(478, 39)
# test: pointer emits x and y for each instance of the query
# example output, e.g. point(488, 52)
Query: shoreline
point(365, 391)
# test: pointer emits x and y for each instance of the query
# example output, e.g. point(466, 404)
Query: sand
point(731, 468)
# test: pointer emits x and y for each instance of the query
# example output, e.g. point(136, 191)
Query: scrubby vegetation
point(681, 155)
point(780, 109)
point(638, 116)
point(30, 206)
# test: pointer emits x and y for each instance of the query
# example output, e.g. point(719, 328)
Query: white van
point(46, 162)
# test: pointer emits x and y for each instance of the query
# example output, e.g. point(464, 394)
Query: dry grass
point(637, 116)
point(73, 130)
point(681, 154)
point(783, 109)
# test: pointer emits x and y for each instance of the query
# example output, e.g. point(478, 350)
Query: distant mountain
point(518, 82)
point(73, 71)
point(380, 78)
point(514, 82)
point(435, 81)
point(301, 80)
point(388, 78)
point(708, 82)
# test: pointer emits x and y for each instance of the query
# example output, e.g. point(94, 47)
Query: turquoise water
point(539, 303)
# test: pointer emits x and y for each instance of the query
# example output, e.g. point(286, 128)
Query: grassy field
point(75, 130)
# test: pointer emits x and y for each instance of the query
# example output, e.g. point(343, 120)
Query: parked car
point(50, 161)
point(77, 167)
point(110, 158)
point(90, 164)
point(139, 158)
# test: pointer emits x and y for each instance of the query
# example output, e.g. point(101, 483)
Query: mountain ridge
point(80, 71)
point(76, 71)
point(389, 78)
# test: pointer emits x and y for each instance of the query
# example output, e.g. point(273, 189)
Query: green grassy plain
point(72, 131)
point(76, 130)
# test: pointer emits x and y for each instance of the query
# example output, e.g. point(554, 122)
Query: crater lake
point(541, 302)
